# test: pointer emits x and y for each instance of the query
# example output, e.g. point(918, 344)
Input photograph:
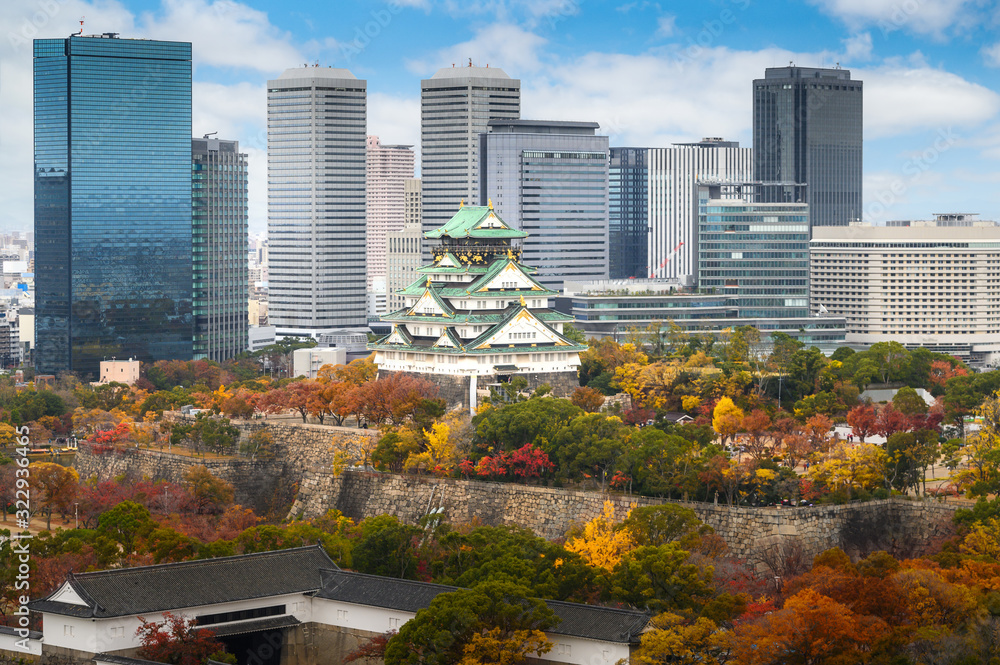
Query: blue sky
point(649, 73)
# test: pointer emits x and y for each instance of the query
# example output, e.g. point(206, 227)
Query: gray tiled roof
point(252, 626)
point(170, 586)
point(588, 621)
point(122, 660)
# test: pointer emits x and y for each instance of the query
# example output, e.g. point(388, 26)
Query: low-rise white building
point(307, 362)
point(294, 602)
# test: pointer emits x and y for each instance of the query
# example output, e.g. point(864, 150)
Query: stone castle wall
point(302, 469)
point(262, 484)
point(896, 525)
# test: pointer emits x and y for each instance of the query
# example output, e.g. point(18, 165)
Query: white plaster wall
point(100, 635)
point(10, 643)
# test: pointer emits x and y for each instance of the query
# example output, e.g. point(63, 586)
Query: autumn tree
point(759, 441)
point(588, 399)
point(671, 638)
point(863, 421)
point(810, 628)
point(53, 486)
point(602, 544)
point(211, 494)
point(727, 419)
point(175, 640)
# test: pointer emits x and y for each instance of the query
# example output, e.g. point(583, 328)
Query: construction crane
point(665, 261)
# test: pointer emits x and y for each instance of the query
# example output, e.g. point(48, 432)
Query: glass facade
point(757, 252)
point(807, 126)
point(112, 201)
point(219, 239)
point(627, 213)
point(550, 179)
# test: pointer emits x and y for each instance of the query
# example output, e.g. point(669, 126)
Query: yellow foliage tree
point(673, 639)
point(441, 452)
point(854, 467)
point(492, 647)
point(7, 435)
point(727, 418)
point(602, 545)
point(983, 539)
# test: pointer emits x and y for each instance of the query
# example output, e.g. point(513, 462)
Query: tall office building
point(628, 212)
point(388, 167)
point(413, 204)
point(755, 252)
point(112, 201)
point(807, 128)
point(672, 235)
point(316, 200)
point(550, 179)
point(456, 105)
point(219, 239)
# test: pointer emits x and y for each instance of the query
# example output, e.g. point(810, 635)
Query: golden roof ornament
point(522, 301)
point(461, 203)
point(490, 202)
point(510, 254)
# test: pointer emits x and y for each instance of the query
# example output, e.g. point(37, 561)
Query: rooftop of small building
point(170, 586)
point(470, 71)
point(315, 71)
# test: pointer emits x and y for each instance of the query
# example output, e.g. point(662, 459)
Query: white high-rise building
point(388, 168)
point(672, 246)
point(456, 106)
point(316, 121)
point(929, 283)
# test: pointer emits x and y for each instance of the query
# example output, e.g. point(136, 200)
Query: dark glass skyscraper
point(219, 244)
point(628, 216)
point(112, 201)
point(807, 128)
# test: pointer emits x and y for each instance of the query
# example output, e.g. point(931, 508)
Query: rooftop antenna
point(81, 25)
point(209, 134)
point(470, 62)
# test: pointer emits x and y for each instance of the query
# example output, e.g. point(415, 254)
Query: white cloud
point(501, 44)
point(858, 48)
point(928, 17)
point(666, 25)
point(991, 55)
point(394, 119)
point(901, 99)
point(224, 33)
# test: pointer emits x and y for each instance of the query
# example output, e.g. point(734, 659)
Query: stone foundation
point(901, 527)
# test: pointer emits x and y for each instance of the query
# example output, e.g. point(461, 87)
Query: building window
point(341, 615)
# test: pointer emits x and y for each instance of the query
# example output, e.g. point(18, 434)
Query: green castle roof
point(476, 222)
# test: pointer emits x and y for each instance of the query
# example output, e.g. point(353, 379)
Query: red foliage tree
point(863, 420)
point(891, 420)
point(530, 462)
point(942, 370)
point(493, 466)
point(175, 641)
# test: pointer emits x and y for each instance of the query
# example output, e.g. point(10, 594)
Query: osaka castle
point(477, 316)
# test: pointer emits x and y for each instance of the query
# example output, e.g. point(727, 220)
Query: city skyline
point(649, 77)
